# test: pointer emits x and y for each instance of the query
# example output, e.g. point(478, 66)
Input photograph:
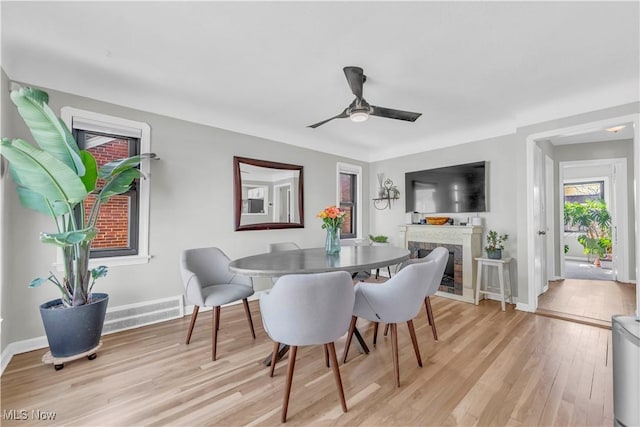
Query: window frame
point(101, 123)
point(132, 194)
point(357, 171)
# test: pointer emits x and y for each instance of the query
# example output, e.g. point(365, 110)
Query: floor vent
point(136, 315)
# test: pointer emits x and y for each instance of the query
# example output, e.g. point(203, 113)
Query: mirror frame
point(237, 181)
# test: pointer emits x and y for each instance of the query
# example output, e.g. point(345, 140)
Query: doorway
point(621, 298)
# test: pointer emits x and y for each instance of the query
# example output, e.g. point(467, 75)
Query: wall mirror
point(268, 195)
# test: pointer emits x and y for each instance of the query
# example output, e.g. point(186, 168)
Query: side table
point(502, 265)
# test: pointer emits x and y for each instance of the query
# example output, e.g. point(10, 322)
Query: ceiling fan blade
point(394, 114)
point(355, 78)
point(342, 115)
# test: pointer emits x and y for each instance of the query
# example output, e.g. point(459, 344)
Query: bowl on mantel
point(437, 220)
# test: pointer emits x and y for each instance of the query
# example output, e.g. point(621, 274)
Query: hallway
point(587, 301)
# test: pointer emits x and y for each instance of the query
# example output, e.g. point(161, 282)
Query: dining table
point(353, 259)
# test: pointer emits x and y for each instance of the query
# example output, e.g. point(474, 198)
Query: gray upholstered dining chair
point(441, 256)
point(308, 309)
point(397, 300)
point(359, 276)
point(209, 283)
point(283, 246)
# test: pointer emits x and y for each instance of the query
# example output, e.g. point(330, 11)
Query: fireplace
point(464, 244)
point(452, 278)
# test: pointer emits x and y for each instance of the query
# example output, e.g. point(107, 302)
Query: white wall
point(500, 154)
point(191, 206)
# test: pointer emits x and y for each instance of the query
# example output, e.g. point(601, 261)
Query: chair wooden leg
point(375, 333)
point(194, 315)
point(287, 389)
point(326, 356)
point(386, 329)
point(394, 353)
point(248, 313)
point(432, 322)
point(352, 327)
point(416, 349)
point(216, 325)
point(336, 374)
point(274, 358)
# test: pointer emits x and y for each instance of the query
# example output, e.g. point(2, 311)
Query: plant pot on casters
point(56, 178)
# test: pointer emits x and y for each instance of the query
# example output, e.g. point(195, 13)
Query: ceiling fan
point(360, 110)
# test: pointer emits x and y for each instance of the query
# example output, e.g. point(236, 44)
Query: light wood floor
point(592, 301)
point(488, 368)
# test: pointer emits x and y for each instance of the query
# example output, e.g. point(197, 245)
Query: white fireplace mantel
point(469, 237)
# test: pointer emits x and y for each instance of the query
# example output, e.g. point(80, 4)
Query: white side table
point(502, 265)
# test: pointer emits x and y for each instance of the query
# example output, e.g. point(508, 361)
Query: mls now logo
point(15, 414)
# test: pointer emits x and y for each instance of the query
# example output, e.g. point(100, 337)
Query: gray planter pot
point(494, 254)
point(73, 330)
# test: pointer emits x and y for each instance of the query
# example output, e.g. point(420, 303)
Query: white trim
point(530, 143)
point(618, 207)
point(356, 170)
point(524, 307)
point(88, 120)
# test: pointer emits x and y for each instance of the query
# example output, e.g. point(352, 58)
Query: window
point(118, 219)
point(349, 197)
point(123, 223)
point(581, 192)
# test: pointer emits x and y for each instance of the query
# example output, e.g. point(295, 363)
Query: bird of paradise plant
point(54, 178)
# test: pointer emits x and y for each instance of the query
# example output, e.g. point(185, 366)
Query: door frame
point(618, 210)
point(531, 140)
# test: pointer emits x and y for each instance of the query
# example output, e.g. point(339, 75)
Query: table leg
point(363, 345)
point(281, 352)
point(478, 282)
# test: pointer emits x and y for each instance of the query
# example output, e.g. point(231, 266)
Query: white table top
point(315, 260)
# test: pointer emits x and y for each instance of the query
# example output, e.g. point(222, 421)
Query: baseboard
point(524, 307)
point(117, 319)
point(23, 346)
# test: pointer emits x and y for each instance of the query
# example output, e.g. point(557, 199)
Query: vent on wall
point(136, 315)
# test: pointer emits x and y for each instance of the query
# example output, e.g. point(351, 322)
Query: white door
point(539, 222)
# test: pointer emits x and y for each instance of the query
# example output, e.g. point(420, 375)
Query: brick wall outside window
point(113, 221)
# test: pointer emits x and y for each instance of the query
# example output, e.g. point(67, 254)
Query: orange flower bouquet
point(332, 218)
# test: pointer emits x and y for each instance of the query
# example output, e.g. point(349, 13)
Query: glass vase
point(332, 244)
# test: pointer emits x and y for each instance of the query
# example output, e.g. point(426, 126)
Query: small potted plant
point(495, 244)
point(378, 240)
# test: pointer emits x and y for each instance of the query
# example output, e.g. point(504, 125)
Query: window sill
point(113, 261)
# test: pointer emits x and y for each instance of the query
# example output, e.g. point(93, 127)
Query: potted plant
point(54, 178)
point(378, 240)
point(593, 220)
point(495, 244)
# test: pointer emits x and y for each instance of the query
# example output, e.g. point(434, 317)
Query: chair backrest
point(354, 242)
point(398, 299)
point(306, 309)
point(441, 256)
point(203, 267)
point(283, 246)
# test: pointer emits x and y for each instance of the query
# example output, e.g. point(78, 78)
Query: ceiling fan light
point(359, 116)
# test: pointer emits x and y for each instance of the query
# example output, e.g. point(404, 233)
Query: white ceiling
point(269, 69)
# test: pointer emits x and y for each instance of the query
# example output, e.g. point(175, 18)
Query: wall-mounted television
point(450, 189)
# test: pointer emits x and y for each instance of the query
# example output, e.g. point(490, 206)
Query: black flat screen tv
point(450, 189)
